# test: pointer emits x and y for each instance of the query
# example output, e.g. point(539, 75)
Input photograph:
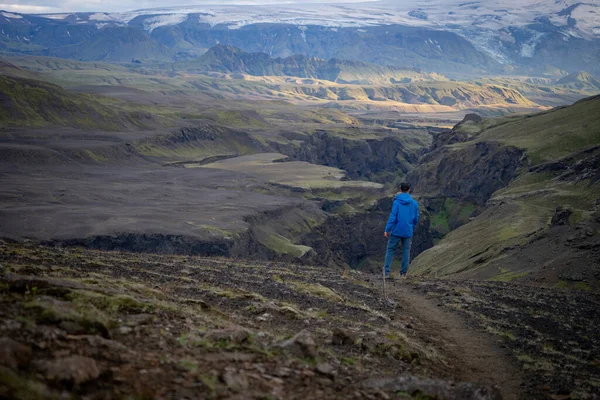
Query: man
point(400, 228)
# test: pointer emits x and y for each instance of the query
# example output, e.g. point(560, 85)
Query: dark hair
point(405, 187)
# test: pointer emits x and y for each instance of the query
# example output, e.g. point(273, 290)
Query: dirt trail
point(473, 356)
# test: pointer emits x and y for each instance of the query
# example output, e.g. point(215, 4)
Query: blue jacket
point(404, 216)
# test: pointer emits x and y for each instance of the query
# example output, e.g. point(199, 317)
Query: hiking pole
point(384, 295)
point(385, 298)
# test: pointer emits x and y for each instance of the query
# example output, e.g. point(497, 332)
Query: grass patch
point(504, 334)
point(282, 245)
point(562, 284)
point(316, 289)
point(110, 304)
point(509, 276)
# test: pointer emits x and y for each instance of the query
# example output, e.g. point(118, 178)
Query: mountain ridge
point(444, 36)
point(231, 59)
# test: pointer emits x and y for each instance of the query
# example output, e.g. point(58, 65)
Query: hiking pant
point(391, 252)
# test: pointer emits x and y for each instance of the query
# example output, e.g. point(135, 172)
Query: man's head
point(404, 187)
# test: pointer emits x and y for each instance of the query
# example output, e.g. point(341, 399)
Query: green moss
point(110, 304)
point(509, 276)
point(439, 222)
point(562, 284)
point(282, 245)
point(94, 156)
point(189, 364)
point(582, 286)
point(318, 290)
point(348, 361)
point(504, 334)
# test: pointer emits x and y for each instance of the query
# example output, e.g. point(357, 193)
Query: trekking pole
point(385, 298)
point(384, 295)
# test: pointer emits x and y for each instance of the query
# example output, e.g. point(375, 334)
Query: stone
point(301, 345)
point(14, 354)
point(264, 317)
point(343, 337)
point(326, 369)
point(235, 380)
point(236, 336)
point(125, 330)
point(74, 370)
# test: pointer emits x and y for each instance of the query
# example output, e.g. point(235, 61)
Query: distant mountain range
point(446, 36)
point(232, 60)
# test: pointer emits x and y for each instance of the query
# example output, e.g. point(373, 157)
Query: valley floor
point(104, 325)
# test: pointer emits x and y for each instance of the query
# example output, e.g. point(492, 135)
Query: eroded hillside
point(524, 194)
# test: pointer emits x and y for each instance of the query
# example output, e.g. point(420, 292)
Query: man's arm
point(392, 219)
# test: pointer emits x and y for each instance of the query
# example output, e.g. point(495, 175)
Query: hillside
point(530, 183)
point(11, 70)
point(117, 44)
point(189, 86)
point(34, 103)
point(581, 81)
point(106, 324)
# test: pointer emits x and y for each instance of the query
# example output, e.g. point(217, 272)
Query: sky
point(58, 6)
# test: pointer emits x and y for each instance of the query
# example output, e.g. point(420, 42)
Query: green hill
point(535, 182)
point(32, 103)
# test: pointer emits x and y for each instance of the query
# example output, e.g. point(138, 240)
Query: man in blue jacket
point(400, 228)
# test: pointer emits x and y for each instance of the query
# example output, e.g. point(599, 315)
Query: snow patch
point(11, 15)
point(55, 16)
point(151, 24)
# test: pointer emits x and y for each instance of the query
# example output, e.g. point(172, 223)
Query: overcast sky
point(45, 6)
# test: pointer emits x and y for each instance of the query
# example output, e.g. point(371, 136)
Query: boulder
point(561, 216)
point(301, 345)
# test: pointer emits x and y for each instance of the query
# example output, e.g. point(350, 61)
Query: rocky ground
point(552, 334)
point(103, 325)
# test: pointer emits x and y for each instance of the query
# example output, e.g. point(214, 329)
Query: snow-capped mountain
point(501, 34)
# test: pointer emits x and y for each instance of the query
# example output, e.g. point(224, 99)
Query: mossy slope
point(562, 150)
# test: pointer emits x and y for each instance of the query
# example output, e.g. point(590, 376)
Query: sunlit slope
point(545, 136)
point(520, 234)
point(353, 86)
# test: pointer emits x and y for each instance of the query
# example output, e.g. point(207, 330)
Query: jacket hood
point(404, 198)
